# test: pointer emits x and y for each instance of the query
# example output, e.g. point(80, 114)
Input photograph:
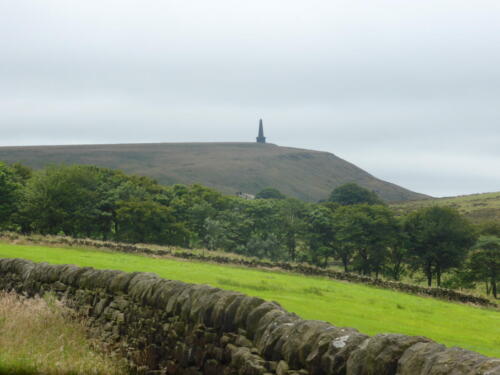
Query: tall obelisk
point(261, 138)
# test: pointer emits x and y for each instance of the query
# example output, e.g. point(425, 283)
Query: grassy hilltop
point(477, 207)
point(227, 167)
point(370, 310)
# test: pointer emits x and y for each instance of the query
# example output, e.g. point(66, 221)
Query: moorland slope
point(227, 167)
point(476, 207)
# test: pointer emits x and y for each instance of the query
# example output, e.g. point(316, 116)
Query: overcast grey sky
point(407, 90)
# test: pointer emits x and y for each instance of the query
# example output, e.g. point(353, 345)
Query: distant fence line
point(171, 327)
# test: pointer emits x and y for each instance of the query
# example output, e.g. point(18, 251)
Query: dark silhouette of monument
point(261, 138)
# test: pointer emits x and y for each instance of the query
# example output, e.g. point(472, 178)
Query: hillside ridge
point(226, 166)
point(478, 207)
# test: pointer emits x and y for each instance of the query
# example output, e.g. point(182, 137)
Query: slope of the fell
point(477, 207)
point(227, 167)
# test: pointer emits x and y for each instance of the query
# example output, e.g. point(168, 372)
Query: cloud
point(409, 91)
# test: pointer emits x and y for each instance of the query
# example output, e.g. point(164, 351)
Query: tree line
point(353, 228)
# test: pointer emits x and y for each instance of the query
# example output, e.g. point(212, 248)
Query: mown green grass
point(370, 310)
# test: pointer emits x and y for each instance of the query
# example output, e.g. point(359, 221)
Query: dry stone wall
point(170, 327)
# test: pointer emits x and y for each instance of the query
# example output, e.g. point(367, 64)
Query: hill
point(227, 167)
point(477, 207)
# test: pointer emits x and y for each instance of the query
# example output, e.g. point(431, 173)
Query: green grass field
point(368, 309)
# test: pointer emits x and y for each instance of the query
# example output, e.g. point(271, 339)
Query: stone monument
point(261, 138)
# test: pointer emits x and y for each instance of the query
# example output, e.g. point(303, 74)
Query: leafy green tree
point(263, 214)
point(397, 256)
point(9, 194)
point(22, 172)
point(270, 193)
point(351, 193)
point(364, 233)
point(196, 221)
point(237, 229)
point(193, 205)
point(484, 263)
point(81, 200)
point(214, 234)
point(61, 199)
point(149, 222)
point(438, 240)
point(348, 235)
point(265, 246)
point(319, 234)
point(291, 224)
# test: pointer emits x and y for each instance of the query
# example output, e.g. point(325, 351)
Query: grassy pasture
point(477, 207)
point(370, 310)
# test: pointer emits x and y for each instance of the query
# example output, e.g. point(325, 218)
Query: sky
point(407, 90)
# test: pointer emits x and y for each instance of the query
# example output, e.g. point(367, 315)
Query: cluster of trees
point(353, 228)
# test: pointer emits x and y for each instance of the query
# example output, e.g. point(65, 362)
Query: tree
point(270, 193)
point(61, 199)
point(214, 234)
point(364, 233)
point(149, 222)
point(438, 239)
point(291, 224)
point(397, 255)
point(320, 234)
point(351, 193)
point(22, 173)
point(484, 262)
point(9, 194)
point(265, 246)
point(237, 228)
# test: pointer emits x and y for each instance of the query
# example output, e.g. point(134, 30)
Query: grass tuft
point(41, 336)
point(261, 286)
point(313, 290)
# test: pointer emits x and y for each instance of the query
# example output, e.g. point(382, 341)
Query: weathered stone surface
point(70, 274)
point(275, 326)
point(335, 348)
point(218, 315)
point(379, 355)
point(141, 286)
point(170, 327)
point(301, 340)
point(246, 362)
point(282, 368)
point(417, 358)
point(490, 366)
point(254, 317)
point(248, 305)
point(456, 361)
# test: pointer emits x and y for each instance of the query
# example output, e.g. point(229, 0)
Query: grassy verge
point(369, 309)
point(38, 336)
